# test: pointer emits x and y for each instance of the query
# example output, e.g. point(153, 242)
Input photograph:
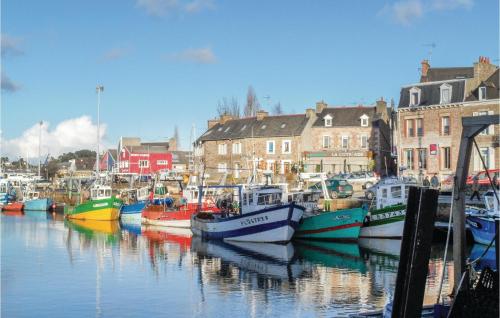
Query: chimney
point(261, 114)
point(309, 112)
point(225, 118)
point(320, 106)
point(483, 69)
point(425, 68)
point(381, 107)
point(212, 122)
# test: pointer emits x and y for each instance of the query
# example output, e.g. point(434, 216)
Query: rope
point(443, 272)
point(493, 186)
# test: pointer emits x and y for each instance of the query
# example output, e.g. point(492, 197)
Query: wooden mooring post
point(415, 252)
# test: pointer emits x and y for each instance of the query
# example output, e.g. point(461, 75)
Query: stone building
point(430, 114)
point(349, 139)
point(234, 147)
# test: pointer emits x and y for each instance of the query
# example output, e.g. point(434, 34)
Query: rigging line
point(443, 273)
point(493, 186)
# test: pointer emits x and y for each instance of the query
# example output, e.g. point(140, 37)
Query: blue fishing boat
point(7, 192)
point(135, 201)
point(38, 204)
point(482, 223)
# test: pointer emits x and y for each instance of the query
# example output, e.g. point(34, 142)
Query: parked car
point(336, 188)
point(483, 177)
point(365, 178)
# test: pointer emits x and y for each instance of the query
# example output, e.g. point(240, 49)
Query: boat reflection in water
point(275, 261)
point(332, 254)
point(36, 214)
point(93, 229)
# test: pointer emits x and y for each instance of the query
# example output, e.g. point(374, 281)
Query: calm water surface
point(53, 268)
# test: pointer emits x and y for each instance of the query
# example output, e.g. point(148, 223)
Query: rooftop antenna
point(431, 47)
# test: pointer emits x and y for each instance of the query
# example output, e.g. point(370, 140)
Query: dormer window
point(482, 93)
point(328, 120)
point(364, 120)
point(414, 96)
point(445, 94)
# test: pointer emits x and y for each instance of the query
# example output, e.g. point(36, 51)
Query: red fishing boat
point(168, 214)
point(13, 206)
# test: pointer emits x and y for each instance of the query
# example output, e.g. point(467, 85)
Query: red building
point(143, 158)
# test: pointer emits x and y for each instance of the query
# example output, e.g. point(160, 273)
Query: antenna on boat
point(99, 90)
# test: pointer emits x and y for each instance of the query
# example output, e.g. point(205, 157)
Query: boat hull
point(161, 216)
point(482, 228)
point(98, 210)
point(385, 223)
point(332, 225)
point(13, 206)
point(276, 224)
point(131, 213)
point(38, 204)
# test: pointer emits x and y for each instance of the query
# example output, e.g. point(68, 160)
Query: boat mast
point(99, 89)
point(39, 149)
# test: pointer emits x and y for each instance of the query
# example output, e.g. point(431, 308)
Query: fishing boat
point(13, 206)
point(324, 224)
point(7, 192)
point(33, 202)
point(482, 222)
point(167, 211)
point(386, 215)
point(255, 214)
point(136, 200)
point(102, 206)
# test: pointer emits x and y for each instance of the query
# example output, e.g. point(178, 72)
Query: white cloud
point(115, 54)
point(69, 135)
point(8, 85)
point(161, 8)
point(201, 56)
point(406, 12)
point(11, 45)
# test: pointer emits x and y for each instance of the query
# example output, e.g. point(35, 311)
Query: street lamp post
point(99, 90)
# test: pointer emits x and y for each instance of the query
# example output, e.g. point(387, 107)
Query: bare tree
point(277, 109)
point(228, 107)
point(252, 105)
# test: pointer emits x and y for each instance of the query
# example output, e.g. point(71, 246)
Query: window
point(222, 167)
point(409, 158)
point(364, 141)
point(268, 198)
point(410, 128)
point(270, 147)
point(162, 162)
point(420, 127)
point(384, 193)
point(482, 93)
point(445, 94)
point(345, 142)
point(422, 158)
point(327, 142)
point(445, 125)
point(328, 121)
point(485, 153)
point(237, 148)
point(222, 149)
point(143, 163)
point(414, 96)
point(396, 192)
point(286, 146)
point(446, 158)
point(364, 121)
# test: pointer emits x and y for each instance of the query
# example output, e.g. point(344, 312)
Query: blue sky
point(168, 62)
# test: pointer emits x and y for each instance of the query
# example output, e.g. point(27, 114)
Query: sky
point(167, 63)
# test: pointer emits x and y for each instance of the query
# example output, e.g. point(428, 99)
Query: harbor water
point(56, 268)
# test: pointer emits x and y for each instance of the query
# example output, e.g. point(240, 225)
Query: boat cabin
point(491, 203)
point(391, 194)
point(5, 186)
point(32, 195)
point(98, 192)
point(261, 197)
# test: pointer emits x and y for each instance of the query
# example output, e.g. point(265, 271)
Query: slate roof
point(431, 93)
point(269, 126)
point(492, 88)
point(435, 74)
point(346, 116)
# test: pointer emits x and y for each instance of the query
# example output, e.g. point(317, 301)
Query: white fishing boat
point(253, 214)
